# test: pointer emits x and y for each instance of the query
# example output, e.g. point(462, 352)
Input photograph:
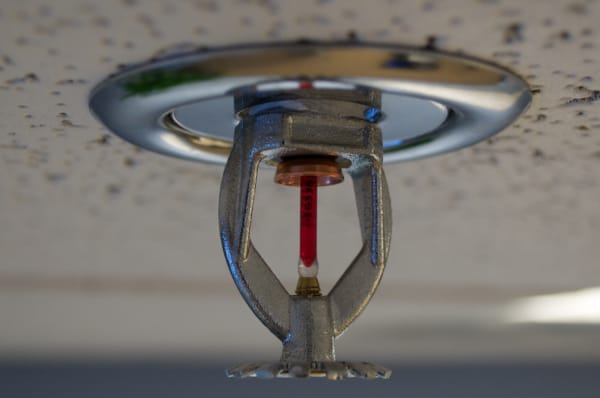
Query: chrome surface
point(215, 118)
point(333, 370)
point(307, 326)
point(361, 104)
point(432, 102)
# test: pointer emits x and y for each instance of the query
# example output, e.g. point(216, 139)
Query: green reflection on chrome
point(160, 80)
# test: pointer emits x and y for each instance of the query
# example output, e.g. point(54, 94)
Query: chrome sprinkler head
point(315, 111)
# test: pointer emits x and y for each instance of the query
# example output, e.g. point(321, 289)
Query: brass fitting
point(326, 169)
point(308, 287)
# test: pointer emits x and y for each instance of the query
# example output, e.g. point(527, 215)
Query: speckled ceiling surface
point(108, 250)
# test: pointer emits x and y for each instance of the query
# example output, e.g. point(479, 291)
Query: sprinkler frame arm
point(272, 136)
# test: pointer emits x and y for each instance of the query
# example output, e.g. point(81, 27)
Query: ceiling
point(106, 250)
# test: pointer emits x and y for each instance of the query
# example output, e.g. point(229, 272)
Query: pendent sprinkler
point(314, 112)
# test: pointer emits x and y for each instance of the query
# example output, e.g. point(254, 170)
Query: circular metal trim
point(479, 98)
point(398, 119)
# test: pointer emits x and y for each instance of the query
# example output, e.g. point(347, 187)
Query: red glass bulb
point(308, 221)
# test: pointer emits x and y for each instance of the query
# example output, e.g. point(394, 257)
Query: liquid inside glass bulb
point(308, 266)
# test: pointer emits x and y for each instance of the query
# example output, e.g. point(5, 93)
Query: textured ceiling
point(106, 249)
